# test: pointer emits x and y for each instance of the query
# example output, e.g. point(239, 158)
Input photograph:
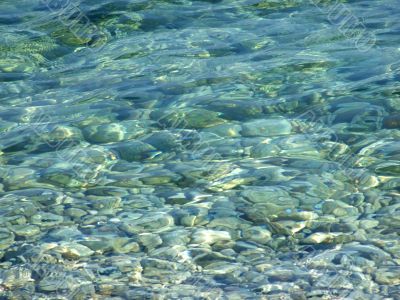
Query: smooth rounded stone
point(98, 245)
point(257, 234)
point(82, 288)
point(220, 183)
point(11, 205)
point(282, 5)
point(205, 257)
point(357, 113)
point(25, 230)
point(267, 201)
point(160, 178)
point(124, 180)
point(94, 156)
point(62, 133)
point(285, 274)
point(65, 177)
point(374, 151)
point(72, 250)
point(21, 293)
point(209, 237)
point(236, 276)
point(264, 150)
point(362, 262)
point(194, 119)
point(355, 199)
point(281, 290)
point(237, 109)
point(187, 290)
point(173, 198)
point(113, 132)
point(192, 217)
point(332, 150)
point(75, 213)
point(389, 245)
point(338, 208)
point(126, 245)
point(68, 38)
point(15, 277)
point(143, 201)
point(392, 222)
point(175, 253)
point(134, 151)
point(126, 264)
point(153, 222)
point(225, 130)
point(228, 222)
point(121, 24)
point(106, 204)
point(288, 227)
point(149, 240)
point(164, 141)
point(293, 215)
point(368, 224)
point(223, 207)
point(56, 282)
point(268, 194)
point(221, 268)
point(198, 171)
point(326, 225)
point(19, 173)
point(163, 270)
point(34, 253)
point(301, 150)
point(141, 100)
point(221, 149)
point(105, 133)
point(31, 182)
point(334, 281)
point(6, 238)
point(175, 237)
point(42, 196)
point(113, 287)
point(14, 220)
point(228, 183)
point(134, 128)
point(44, 219)
point(64, 234)
point(106, 191)
point(266, 127)
point(370, 252)
point(324, 222)
point(93, 118)
point(322, 238)
point(261, 214)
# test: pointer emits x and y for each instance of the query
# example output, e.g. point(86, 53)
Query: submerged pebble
point(199, 150)
point(267, 127)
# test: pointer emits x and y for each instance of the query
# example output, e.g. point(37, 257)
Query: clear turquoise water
point(199, 149)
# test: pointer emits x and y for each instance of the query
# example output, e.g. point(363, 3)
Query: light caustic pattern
point(199, 149)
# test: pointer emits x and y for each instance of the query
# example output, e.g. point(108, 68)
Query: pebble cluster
point(229, 172)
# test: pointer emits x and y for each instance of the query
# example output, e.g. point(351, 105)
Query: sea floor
point(231, 149)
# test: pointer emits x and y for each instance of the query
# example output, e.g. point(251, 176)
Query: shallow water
point(199, 149)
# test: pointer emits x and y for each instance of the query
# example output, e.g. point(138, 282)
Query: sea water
point(227, 149)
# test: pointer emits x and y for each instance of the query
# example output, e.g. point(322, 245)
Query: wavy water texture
point(242, 149)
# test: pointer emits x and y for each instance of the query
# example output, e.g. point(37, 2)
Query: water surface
point(199, 149)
